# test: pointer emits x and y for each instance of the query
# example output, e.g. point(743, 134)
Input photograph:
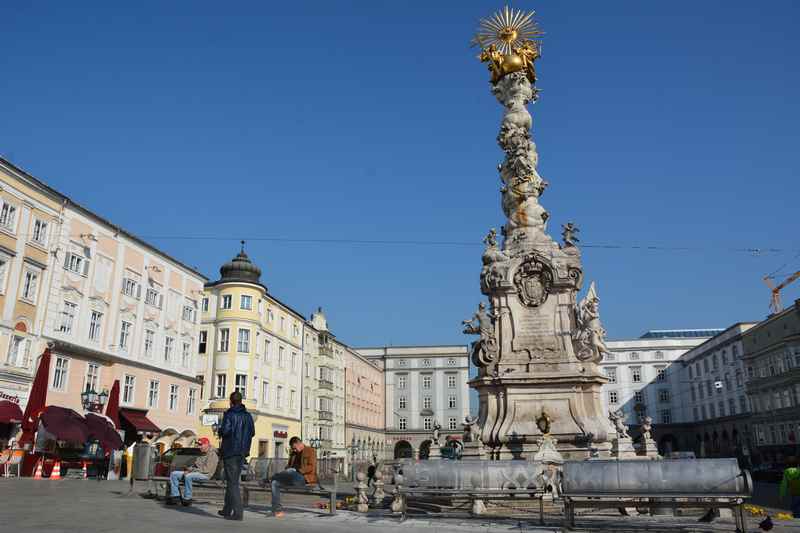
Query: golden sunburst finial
point(507, 29)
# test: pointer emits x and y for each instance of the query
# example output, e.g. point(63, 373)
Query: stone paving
point(104, 507)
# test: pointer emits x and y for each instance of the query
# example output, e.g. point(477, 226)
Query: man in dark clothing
point(237, 430)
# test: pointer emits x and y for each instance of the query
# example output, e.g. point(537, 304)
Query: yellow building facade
point(250, 342)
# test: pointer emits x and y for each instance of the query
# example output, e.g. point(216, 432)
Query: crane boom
point(775, 301)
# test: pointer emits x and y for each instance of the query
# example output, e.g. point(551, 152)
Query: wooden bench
point(312, 490)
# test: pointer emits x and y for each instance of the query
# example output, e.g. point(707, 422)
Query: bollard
point(379, 494)
point(361, 493)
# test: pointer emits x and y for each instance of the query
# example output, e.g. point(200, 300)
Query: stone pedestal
point(648, 448)
point(473, 451)
point(622, 448)
point(435, 452)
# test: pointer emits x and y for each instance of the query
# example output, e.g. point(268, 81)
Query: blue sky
point(195, 124)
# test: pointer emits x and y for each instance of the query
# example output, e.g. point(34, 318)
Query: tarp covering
point(102, 430)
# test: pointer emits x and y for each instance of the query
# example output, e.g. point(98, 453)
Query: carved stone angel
point(618, 419)
point(482, 323)
point(589, 337)
point(436, 435)
point(472, 433)
point(647, 427)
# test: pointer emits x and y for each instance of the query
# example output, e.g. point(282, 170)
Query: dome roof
point(240, 268)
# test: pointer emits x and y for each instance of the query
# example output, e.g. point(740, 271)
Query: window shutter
point(66, 260)
point(85, 267)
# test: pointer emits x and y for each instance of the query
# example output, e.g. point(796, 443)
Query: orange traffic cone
point(37, 474)
point(56, 472)
point(83, 469)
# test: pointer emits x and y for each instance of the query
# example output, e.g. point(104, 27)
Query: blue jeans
point(188, 478)
point(287, 478)
point(796, 506)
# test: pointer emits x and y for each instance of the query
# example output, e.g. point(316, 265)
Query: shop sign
point(8, 397)
point(280, 434)
point(210, 420)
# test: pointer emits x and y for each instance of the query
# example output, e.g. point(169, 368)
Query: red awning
point(10, 412)
point(139, 421)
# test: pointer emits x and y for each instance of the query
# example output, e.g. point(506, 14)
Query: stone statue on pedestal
point(618, 419)
point(472, 432)
point(482, 323)
point(590, 336)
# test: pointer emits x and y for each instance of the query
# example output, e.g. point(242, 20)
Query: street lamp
point(92, 401)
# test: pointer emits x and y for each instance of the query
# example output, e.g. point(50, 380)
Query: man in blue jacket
point(237, 430)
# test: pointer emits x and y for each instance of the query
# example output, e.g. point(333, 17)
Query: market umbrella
point(101, 428)
point(112, 408)
point(64, 424)
point(37, 398)
point(10, 412)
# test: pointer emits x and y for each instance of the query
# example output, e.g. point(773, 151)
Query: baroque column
point(539, 349)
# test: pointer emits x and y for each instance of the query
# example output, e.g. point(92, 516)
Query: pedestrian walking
point(237, 431)
point(790, 484)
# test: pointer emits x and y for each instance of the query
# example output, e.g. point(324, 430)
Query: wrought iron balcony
point(325, 415)
point(326, 350)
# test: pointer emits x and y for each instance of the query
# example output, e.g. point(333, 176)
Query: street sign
point(210, 420)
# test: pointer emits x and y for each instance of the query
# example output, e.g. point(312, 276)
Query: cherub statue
point(590, 336)
point(569, 232)
point(647, 427)
point(491, 239)
point(618, 419)
point(436, 433)
point(491, 55)
point(529, 52)
point(472, 432)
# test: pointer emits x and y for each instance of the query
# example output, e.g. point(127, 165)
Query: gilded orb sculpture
point(507, 43)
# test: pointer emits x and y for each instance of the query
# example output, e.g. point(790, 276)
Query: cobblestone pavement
point(103, 507)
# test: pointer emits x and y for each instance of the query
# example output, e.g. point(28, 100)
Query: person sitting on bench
point(300, 470)
point(202, 470)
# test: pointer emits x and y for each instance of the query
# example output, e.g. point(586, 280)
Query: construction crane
point(775, 301)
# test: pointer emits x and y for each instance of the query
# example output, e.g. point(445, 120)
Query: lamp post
point(354, 448)
point(92, 401)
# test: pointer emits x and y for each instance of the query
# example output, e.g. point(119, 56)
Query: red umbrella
point(65, 424)
point(9, 412)
point(102, 430)
point(112, 408)
point(37, 398)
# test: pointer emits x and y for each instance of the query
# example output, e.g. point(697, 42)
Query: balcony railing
point(326, 350)
point(325, 415)
point(325, 384)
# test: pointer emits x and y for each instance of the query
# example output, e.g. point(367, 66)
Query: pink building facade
point(365, 388)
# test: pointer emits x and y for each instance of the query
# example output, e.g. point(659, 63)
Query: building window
point(221, 385)
point(92, 378)
point(401, 382)
point(3, 272)
point(267, 347)
point(265, 392)
point(281, 358)
point(173, 397)
point(279, 397)
point(95, 326)
point(402, 363)
point(308, 370)
point(403, 423)
point(638, 397)
point(30, 286)
point(246, 302)
point(659, 354)
point(742, 404)
point(169, 344)
point(426, 363)
point(68, 317)
point(131, 287)
point(691, 372)
point(636, 374)
point(292, 395)
point(613, 398)
point(153, 297)
point(124, 335)
point(241, 385)
point(610, 357)
point(694, 393)
point(401, 402)
point(634, 356)
point(426, 382)
point(451, 362)
point(731, 406)
point(40, 232)
point(224, 339)
point(712, 410)
point(427, 423)
point(185, 354)
point(8, 216)
point(202, 341)
point(191, 402)
point(611, 373)
point(243, 342)
point(18, 351)
point(663, 395)
point(294, 361)
point(152, 395)
point(283, 323)
point(188, 313)
point(226, 302)
point(451, 402)
point(204, 305)
point(427, 401)
point(452, 423)
point(451, 381)
point(661, 373)
point(128, 389)
point(666, 416)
